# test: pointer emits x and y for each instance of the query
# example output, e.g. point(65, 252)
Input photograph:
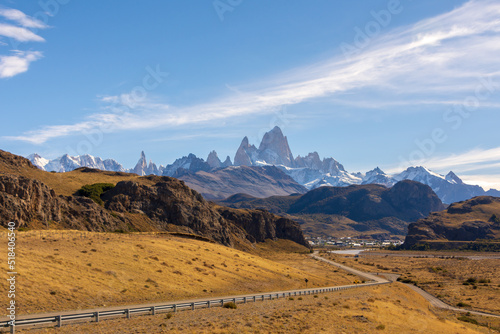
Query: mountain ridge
point(309, 171)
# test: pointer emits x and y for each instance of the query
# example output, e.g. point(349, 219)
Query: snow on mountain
point(377, 176)
point(449, 188)
point(38, 161)
point(309, 171)
point(67, 163)
point(190, 163)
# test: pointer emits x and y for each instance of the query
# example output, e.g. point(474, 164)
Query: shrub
point(291, 298)
point(230, 305)
point(94, 191)
point(462, 304)
point(169, 316)
point(315, 296)
point(465, 318)
point(380, 327)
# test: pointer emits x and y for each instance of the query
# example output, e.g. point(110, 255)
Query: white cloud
point(17, 63)
point(471, 160)
point(20, 34)
point(21, 18)
point(437, 59)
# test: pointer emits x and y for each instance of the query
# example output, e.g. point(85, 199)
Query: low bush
point(230, 305)
point(94, 191)
point(465, 318)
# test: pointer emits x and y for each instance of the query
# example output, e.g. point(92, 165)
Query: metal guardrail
point(58, 320)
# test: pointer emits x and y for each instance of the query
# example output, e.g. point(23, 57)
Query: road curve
point(370, 277)
point(433, 300)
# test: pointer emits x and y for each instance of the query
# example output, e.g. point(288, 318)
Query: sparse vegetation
point(94, 191)
point(465, 318)
point(230, 305)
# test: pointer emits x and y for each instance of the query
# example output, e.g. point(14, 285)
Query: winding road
point(56, 318)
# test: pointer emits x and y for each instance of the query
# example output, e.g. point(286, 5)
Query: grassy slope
point(67, 270)
point(385, 309)
point(68, 183)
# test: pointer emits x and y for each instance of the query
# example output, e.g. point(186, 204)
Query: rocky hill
point(357, 210)
point(151, 203)
point(471, 224)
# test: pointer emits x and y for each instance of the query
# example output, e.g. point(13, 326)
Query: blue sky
point(370, 83)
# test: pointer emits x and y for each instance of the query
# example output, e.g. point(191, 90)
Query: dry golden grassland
point(384, 309)
point(69, 270)
point(442, 276)
point(68, 183)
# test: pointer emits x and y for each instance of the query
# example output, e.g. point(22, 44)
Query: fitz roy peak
point(291, 174)
point(273, 150)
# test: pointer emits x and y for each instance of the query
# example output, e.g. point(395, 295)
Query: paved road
point(370, 277)
point(440, 304)
point(393, 277)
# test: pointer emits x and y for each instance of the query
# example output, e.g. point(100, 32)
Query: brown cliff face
point(169, 201)
point(31, 203)
point(471, 220)
point(262, 225)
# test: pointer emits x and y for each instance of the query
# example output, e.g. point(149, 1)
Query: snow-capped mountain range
point(309, 171)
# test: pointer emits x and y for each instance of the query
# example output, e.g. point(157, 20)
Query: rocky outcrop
point(471, 220)
point(170, 201)
point(262, 225)
point(31, 203)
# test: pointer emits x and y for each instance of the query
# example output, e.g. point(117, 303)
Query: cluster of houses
point(349, 242)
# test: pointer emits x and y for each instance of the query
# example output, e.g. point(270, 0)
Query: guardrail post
point(96, 314)
point(59, 321)
point(234, 301)
point(153, 310)
point(244, 300)
point(254, 298)
point(263, 297)
point(192, 306)
point(127, 311)
point(175, 308)
point(208, 304)
point(12, 329)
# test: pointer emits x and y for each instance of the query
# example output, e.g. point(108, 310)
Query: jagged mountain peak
point(213, 160)
point(377, 170)
point(453, 178)
point(274, 149)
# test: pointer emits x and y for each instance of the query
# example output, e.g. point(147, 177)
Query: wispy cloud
point(18, 30)
point(406, 63)
point(472, 160)
point(20, 34)
point(21, 18)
